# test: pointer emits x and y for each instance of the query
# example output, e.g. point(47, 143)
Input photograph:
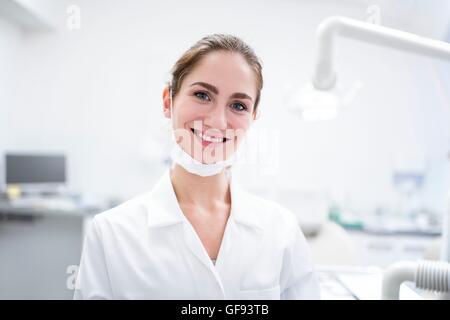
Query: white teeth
point(207, 138)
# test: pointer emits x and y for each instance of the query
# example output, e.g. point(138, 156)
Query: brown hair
point(211, 43)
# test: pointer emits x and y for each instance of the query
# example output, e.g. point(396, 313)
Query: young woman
point(197, 234)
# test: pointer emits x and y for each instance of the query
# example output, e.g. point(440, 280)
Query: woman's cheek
point(242, 124)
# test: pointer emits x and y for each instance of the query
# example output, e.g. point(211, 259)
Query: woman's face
point(214, 107)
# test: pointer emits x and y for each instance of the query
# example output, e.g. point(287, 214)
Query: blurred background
point(81, 126)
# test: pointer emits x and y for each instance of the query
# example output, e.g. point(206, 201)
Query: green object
point(347, 222)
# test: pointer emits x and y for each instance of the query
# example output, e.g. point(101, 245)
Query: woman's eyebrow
point(241, 95)
point(208, 86)
point(213, 89)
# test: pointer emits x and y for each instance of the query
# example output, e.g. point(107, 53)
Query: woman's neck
point(205, 192)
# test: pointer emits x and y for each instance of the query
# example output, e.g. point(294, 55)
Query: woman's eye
point(238, 106)
point(202, 96)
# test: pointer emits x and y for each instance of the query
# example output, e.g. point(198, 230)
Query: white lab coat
point(147, 249)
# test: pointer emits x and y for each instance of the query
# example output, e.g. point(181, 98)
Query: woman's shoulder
point(135, 210)
point(271, 211)
point(130, 211)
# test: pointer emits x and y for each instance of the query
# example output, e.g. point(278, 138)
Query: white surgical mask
point(184, 159)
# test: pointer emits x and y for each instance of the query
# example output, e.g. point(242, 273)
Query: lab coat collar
point(163, 209)
point(170, 213)
point(241, 206)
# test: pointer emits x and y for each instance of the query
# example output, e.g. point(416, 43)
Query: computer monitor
point(46, 172)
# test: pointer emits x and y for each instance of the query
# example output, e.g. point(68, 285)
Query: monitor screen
point(35, 169)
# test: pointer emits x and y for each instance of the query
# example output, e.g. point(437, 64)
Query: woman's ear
point(256, 114)
point(166, 102)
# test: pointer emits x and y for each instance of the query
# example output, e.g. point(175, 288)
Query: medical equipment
point(445, 249)
point(428, 275)
point(320, 100)
point(356, 283)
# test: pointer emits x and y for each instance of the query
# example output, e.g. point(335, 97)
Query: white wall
point(95, 93)
point(10, 41)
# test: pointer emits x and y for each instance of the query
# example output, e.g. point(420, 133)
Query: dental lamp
point(319, 100)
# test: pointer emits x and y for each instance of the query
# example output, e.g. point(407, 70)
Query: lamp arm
point(324, 77)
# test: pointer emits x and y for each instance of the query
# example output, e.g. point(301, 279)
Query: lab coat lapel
point(171, 213)
point(242, 242)
point(195, 245)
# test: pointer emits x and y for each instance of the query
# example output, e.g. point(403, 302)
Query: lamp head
point(317, 105)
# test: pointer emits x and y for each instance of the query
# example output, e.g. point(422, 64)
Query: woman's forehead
point(227, 71)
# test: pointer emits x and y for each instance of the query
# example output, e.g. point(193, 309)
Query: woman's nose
point(217, 118)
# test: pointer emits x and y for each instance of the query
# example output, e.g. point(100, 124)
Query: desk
point(37, 246)
point(357, 283)
point(7, 210)
point(384, 250)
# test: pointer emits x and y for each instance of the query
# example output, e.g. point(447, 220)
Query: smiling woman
point(215, 90)
point(217, 43)
point(162, 244)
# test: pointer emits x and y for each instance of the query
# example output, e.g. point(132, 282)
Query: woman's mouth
point(207, 140)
